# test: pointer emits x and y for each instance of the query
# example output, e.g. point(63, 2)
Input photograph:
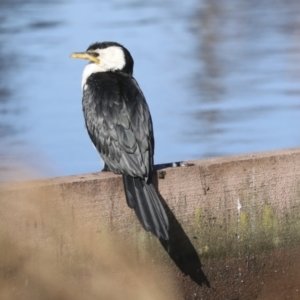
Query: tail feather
point(143, 198)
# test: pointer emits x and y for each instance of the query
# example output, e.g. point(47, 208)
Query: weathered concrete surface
point(235, 221)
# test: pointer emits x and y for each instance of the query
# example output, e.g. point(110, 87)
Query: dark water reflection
point(248, 76)
point(221, 77)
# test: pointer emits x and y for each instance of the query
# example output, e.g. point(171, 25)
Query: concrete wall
point(235, 221)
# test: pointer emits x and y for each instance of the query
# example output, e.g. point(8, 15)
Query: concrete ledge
point(239, 215)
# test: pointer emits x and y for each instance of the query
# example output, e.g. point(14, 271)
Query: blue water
point(220, 77)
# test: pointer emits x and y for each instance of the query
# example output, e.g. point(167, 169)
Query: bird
point(119, 124)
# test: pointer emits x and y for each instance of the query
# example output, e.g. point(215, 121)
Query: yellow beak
point(85, 55)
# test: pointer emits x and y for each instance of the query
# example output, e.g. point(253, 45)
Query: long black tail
point(143, 198)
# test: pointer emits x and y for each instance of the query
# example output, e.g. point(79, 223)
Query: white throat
point(111, 59)
point(88, 71)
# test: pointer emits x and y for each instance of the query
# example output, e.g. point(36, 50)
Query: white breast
point(88, 71)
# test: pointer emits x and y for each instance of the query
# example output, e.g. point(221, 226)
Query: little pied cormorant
point(119, 124)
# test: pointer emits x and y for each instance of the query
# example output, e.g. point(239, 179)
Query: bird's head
point(107, 57)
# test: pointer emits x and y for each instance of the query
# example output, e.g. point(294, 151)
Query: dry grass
point(44, 255)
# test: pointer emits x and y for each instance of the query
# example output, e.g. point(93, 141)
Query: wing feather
point(119, 124)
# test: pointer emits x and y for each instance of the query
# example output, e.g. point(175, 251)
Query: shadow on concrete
point(182, 251)
point(179, 246)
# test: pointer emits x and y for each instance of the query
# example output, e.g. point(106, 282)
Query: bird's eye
point(95, 54)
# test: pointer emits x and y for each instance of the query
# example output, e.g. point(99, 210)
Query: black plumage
point(119, 124)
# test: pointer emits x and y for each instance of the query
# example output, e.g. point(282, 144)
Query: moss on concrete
point(255, 229)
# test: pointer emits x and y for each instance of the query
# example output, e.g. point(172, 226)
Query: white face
point(111, 59)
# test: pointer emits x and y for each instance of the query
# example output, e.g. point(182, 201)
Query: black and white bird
point(119, 124)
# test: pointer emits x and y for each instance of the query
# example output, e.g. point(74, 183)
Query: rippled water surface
point(220, 77)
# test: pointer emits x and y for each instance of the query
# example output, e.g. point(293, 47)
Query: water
point(220, 77)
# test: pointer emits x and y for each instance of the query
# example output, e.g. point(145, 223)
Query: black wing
point(119, 123)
